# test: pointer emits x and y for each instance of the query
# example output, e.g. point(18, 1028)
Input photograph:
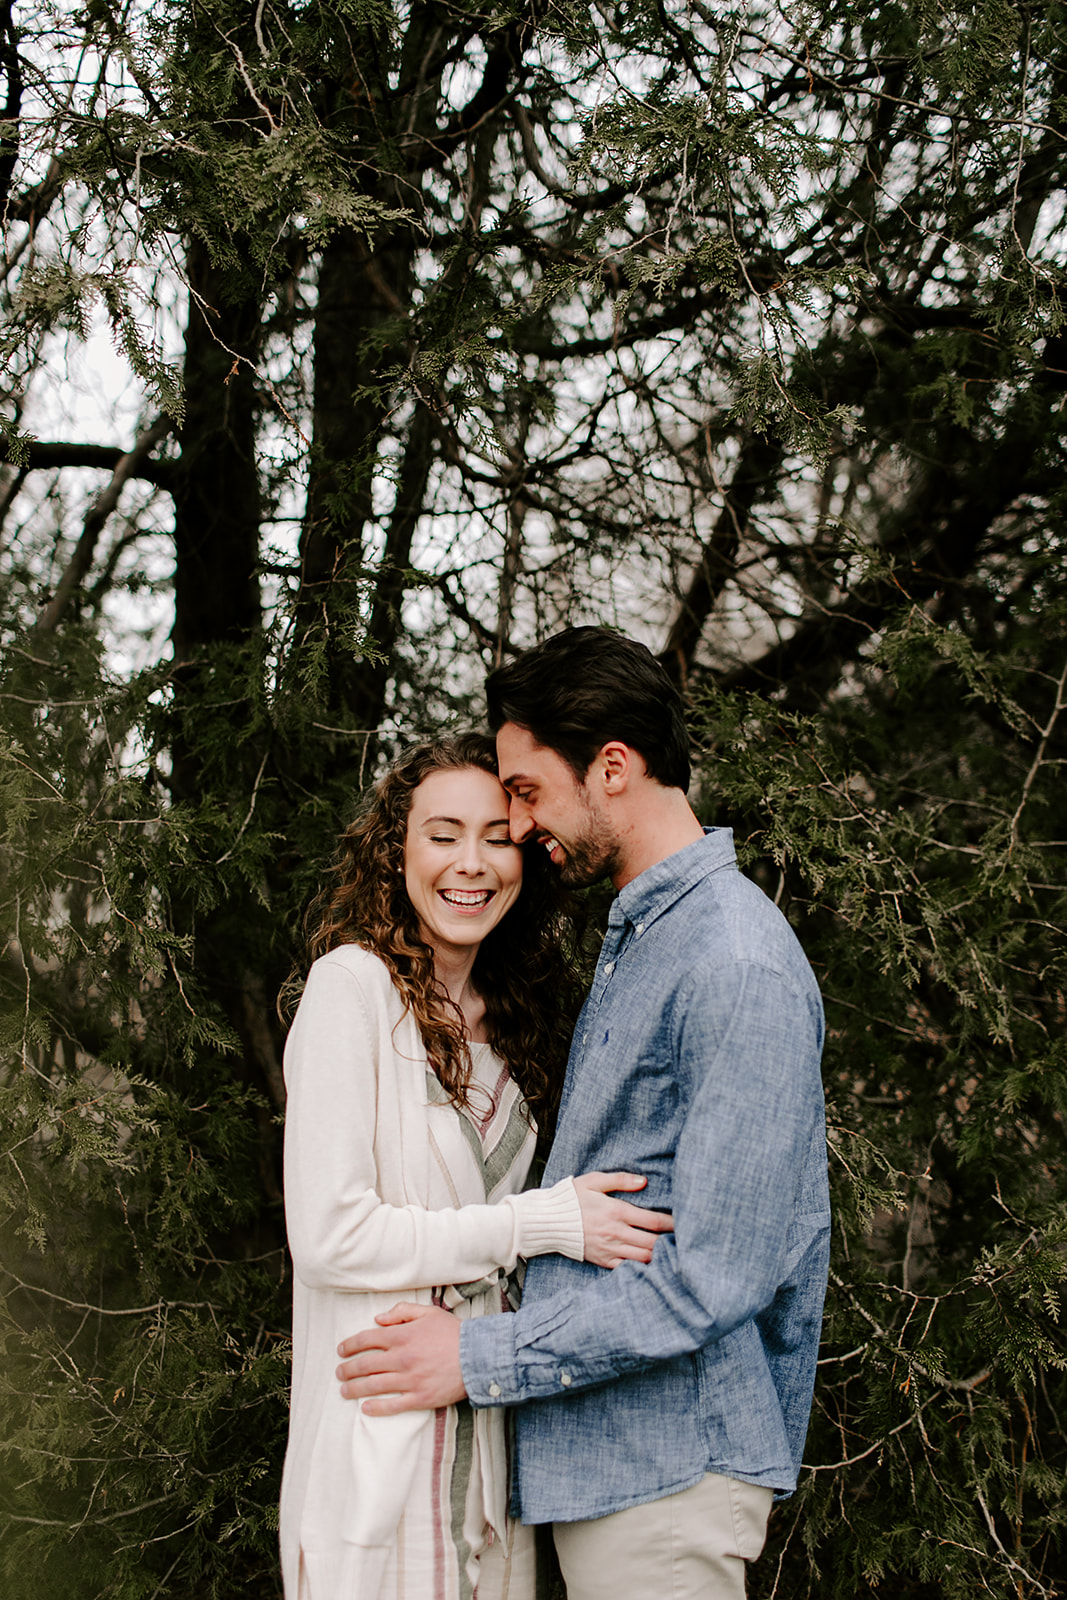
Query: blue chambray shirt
point(695, 1061)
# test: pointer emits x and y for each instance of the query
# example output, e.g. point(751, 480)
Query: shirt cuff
point(550, 1221)
point(487, 1360)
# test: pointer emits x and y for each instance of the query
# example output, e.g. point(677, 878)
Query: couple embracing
point(650, 1395)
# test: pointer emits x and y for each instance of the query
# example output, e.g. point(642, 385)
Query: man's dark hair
point(586, 686)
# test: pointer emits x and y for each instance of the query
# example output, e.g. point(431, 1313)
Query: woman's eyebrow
point(457, 822)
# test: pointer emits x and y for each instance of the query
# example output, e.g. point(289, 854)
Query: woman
point(431, 1032)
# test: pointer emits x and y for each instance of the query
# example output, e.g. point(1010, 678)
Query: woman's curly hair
point(525, 969)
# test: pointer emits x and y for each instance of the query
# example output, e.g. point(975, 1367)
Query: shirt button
point(494, 1390)
point(565, 1379)
point(639, 928)
point(609, 966)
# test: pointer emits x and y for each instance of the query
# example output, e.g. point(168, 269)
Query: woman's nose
point(471, 859)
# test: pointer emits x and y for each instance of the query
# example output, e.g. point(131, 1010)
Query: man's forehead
point(518, 753)
point(523, 762)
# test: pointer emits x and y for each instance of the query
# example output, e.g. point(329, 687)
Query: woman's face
point(462, 871)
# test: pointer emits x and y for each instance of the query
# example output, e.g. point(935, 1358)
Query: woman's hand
point(616, 1231)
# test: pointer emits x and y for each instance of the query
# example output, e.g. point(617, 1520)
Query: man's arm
point(749, 1043)
point(420, 1367)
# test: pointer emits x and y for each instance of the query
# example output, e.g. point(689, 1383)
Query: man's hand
point(411, 1357)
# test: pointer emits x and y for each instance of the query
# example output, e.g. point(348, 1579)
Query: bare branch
point(1038, 761)
point(102, 507)
point(98, 457)
point(759, 461)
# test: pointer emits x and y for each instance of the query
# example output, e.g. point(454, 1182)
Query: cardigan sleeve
point(342, 1234)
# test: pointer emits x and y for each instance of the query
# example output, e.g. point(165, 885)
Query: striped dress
point(446, 1548)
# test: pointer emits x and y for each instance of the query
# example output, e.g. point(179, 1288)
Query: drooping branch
point(759, 461)
point(938, 539)
point(486, 638)
point(77, 569)
point(501, 76)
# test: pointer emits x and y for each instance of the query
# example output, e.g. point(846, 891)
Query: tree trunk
point(216, 497)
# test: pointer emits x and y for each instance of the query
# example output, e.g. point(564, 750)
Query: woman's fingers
point(645, 1221)
point(614, 1230)
point(609, 1182)
point(632, 1252)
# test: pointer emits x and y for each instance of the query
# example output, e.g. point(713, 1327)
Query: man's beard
point(592, 855)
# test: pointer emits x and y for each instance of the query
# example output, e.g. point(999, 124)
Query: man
point(659, 1406)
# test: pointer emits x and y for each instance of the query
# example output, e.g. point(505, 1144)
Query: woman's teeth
point(467, 897)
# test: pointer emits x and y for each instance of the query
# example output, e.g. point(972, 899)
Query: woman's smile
point(467, 899)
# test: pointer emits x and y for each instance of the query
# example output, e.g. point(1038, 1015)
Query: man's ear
point(616, 765)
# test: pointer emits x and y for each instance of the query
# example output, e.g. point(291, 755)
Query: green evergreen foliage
point(141, 1362)
point(739, 325)
point(903, 848)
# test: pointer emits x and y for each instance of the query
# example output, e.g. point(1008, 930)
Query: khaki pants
point(688, 1546)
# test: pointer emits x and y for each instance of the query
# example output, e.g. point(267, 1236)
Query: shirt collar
point(660, 886)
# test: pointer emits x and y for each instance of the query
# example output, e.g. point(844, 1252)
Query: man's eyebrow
point(516, 777)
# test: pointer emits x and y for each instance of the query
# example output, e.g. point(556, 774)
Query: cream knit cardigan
point(357, 1157)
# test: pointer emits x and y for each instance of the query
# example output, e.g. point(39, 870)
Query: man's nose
point(520, 820)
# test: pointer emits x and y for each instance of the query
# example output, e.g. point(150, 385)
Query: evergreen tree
point(736, 324)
